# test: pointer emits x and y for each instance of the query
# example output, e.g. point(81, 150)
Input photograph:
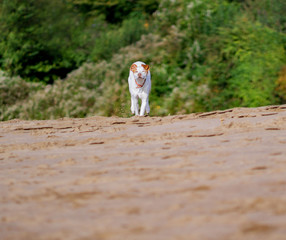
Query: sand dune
point(216, 175)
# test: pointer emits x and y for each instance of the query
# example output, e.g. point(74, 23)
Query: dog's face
point(140, 71)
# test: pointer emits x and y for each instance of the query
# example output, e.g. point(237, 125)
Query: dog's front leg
point(134, 105)
point(143, 106)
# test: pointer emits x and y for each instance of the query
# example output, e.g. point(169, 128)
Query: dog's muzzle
point(138, 84)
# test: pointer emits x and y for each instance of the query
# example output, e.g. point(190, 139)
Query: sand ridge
point(214, 175)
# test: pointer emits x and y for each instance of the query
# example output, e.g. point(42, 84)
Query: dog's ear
point(146, 67)
point(133, 67)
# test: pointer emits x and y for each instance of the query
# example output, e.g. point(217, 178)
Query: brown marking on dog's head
point(133, 67)
point(146, 67)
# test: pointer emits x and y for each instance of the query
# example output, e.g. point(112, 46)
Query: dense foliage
point(39, 39)
point(204, 55)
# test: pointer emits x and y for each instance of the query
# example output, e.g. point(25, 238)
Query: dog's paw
point(144, 115)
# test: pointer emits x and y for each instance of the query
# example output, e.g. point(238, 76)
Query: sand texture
point(216, 175)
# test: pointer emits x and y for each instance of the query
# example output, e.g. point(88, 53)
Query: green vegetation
point(71, 58)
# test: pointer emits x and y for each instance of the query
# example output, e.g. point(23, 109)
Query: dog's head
point(140, 71)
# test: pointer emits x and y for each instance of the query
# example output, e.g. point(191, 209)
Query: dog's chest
point(139, 91)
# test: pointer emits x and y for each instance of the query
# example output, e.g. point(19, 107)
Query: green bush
point(281, 85)
point(268, 12)
point(250, 57)
point(109, 42)
point(12, 92)
point(40, 40)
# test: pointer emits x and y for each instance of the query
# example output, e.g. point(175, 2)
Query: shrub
point(39, 39)
point(109, 42)
point(12, 92)
point(281, 84)
point(250, 57)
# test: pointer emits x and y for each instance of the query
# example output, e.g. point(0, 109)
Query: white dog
point(139, 81)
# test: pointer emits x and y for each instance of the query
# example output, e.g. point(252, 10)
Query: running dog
point(139, 81)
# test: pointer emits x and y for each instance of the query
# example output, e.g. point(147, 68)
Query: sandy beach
point(216, 175)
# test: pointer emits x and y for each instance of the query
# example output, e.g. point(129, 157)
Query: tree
point(38, 39)
point(114, 11)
